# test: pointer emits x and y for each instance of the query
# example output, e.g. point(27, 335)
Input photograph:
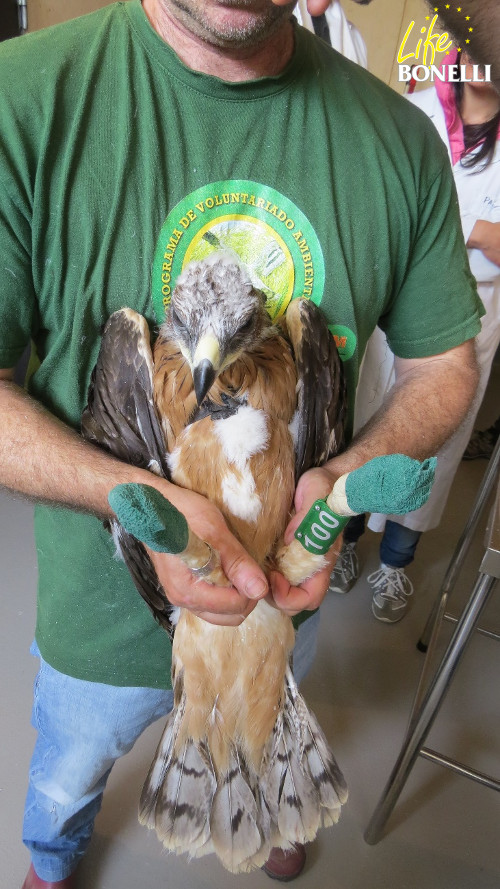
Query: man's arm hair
point(429, 400)
point(484, 46)
point(47, 461)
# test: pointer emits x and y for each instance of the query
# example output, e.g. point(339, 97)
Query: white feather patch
point(243, 435)
point(115, 529)
point(175, 615)
point(173, 460)
point(238, 492)
point(293, 427)
point(154, 466)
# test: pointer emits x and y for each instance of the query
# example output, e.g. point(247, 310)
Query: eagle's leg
point(297, 564)
point(204, 561)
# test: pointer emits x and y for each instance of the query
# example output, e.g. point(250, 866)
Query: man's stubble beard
point(229, 36)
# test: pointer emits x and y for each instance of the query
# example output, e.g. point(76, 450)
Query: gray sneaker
point(391, 589)
point(346, 571)
point(482, 444)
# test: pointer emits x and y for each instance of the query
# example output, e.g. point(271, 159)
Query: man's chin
point(233, 24)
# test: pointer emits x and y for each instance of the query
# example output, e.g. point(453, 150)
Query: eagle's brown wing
point(120, 415)
point(321, 388)
point(121, 418)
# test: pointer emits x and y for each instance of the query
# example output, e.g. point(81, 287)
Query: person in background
point(484, 41)
point(467, 117)
point(334, 27)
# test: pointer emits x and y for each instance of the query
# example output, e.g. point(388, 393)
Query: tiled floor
point(444, 833)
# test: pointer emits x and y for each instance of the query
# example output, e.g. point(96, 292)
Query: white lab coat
point(479, 198)
point(344, 36)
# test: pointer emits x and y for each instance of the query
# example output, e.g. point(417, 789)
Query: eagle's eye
point(247, 326)
point(177, 320)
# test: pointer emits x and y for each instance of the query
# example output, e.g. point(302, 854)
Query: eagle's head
point(215, 315)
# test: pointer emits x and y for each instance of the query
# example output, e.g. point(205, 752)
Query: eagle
point(232, 406)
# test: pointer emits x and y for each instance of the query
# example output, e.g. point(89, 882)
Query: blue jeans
point(398, 542)
point(83, 728)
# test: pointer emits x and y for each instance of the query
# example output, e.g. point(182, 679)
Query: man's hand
point(485, 236)
point(313, 485)
point(308, 596)
point(226, 606)
point(38, 456)
point(430, 398)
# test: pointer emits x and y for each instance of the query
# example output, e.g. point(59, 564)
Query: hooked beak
point(206, 365)
point(203, 377)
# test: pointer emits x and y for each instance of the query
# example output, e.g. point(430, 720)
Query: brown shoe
point(34, 882)
point(285, 865)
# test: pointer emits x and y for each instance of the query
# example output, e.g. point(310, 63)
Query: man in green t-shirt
point(128, 135)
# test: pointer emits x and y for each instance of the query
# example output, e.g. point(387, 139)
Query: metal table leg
point(429, 709)
point(429, 638)
point(424, 714)
point(462, 547)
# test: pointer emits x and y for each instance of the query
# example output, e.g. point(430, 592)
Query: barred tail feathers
point(192, 812)
point(303, 785)
point(236, 819)
point(321, 763)
point(199, 802)
point(177, 796)
point(241, 812)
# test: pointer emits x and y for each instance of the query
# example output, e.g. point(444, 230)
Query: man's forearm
point(427, 403)
point(485, 236)
point(42, 458)
point(45, 460)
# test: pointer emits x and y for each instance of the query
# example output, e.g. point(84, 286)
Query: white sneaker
point(391, 589)
point(346, 571)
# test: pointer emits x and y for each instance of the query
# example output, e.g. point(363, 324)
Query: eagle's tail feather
point(178, 792)
point(235, 819)
point(298, 803)
point(193, 813)
point(241, 814)
point(303, 785)
point(317, 757)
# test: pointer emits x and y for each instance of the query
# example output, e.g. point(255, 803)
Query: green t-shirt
point(118, 164)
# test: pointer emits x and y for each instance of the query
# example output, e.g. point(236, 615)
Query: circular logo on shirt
point(345, 340)
point(264, 230)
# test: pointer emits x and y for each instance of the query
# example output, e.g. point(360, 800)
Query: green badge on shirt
point(263, 228)
point(345, 340)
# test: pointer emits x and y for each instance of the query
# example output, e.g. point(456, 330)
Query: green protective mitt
point(395, 484)
point(150, 517)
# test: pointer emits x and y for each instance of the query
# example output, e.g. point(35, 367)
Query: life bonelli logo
point(427, 61)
